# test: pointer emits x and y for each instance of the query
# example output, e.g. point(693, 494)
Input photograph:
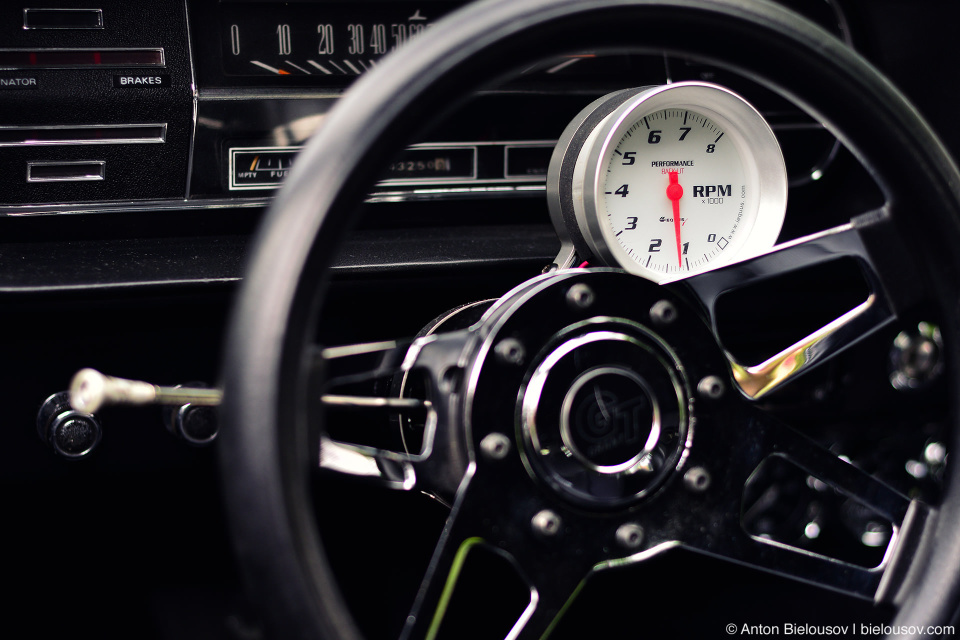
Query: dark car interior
point(159, 223)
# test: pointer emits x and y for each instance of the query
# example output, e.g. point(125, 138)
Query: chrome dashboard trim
point(259, 93)
point(262, 202)
point(138, 206)
point(65, 140)
point(194, 96)
point(453, 193)
point(428, 183)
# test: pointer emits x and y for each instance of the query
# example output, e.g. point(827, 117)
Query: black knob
point(195, 424)
point(72, 434)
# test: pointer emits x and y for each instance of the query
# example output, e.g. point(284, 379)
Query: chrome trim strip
point(99, 165)
point(194, 94)
point(758, 380)
point(234, 94)
point(160, 137)
point(115, 286)
point(798, 126)
point(427, 183)
point(366, 402)
point(137, 206)
point(455, 193)
point(491, 143)
point(259, 202)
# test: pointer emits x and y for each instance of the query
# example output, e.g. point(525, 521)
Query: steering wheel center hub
point(603, 414)
point(600, 397)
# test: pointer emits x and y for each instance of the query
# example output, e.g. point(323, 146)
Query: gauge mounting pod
point(667, 182)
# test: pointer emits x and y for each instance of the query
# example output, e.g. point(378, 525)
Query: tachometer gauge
point(668, 182)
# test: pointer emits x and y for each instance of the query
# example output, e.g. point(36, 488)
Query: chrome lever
point(90, 390)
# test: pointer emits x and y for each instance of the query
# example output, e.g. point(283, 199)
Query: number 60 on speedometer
point(668, 182)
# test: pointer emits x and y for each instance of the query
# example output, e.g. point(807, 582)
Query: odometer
point(330, 40)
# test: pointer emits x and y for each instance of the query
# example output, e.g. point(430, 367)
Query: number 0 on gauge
point(677, 180)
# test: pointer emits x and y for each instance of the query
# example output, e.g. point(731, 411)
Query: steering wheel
point(503, 388)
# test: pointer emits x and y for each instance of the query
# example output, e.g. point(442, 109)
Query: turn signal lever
point(188, 409)
point(91, 390)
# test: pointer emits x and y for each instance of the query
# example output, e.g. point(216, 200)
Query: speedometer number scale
point(673, 181)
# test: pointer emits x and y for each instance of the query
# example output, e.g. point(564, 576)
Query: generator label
point(18, 83)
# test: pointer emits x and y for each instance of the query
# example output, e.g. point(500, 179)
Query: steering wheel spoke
point(883, 583)
point(550, 597)
point(532, 546)
point(781, 440)
point(759, 438)
point(872, 314)
point(797, 564)
point(392, 470)
point(348, 364)
point(437, 463)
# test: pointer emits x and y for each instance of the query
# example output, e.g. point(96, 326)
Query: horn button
point(603, 416)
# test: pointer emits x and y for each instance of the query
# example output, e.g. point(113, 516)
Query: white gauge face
point(689, 192)
point(679, 180)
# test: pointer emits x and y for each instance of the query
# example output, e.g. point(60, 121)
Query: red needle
point(675, 192)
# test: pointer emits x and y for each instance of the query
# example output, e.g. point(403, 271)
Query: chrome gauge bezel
point(753, 138)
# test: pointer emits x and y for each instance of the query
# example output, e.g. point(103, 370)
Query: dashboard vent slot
point(70, 171)
point(63, 18)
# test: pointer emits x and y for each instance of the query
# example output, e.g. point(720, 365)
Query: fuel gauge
point(260, 167)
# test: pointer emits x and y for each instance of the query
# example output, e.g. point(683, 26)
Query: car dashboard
point(142, 144)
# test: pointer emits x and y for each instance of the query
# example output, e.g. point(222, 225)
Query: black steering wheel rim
point(266, 446)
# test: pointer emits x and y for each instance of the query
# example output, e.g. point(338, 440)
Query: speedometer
point(330, 41)
point(668, 182)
